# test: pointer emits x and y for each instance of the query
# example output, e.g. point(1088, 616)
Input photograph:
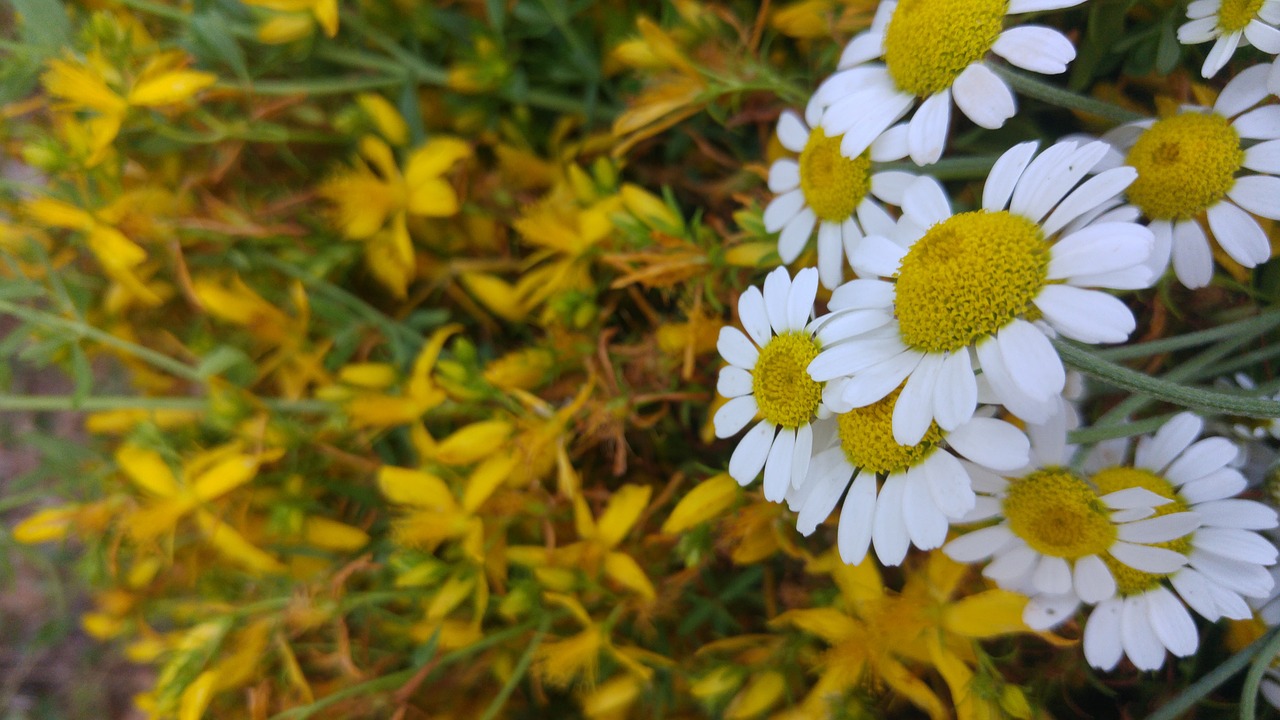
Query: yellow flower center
point(969, 276)
point(1185, 163)
point(866, 435)
point(1128, 580)
point(787, 396)
point(1235, 14)
point(833, 184)
point(930, 42)
point(1058, 514)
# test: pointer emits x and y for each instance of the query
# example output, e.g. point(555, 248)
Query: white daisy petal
point(1102, 647)
point(853, 536)
point(804, 288)
point(1237, 544)
point(877, 256)
point(1201, 459)
point(1052, 575)
point(928, 128)
point(1193, 588)
point(784, 175)
point(830, 255)
point(733, 382)
point(1223, 48)
point(851, 323)
point(802, 454)
point(862, 293)
point(1137, 637)
point(1090, 194)
point(1093, 580)
point(1245, 514)
point(1147, 558)
point(1243, 92)
point(1032, 363)
point(1043, 612)
point(925, 201)
point(878, 111)
point(891, 185)
point(955, 396)
point(781, 209)
point(1004, 175)
point(735, 348)
point(850, 358)
point(1270, 12)
point(1155, 452)
point(1263, 157)
point(983, 97)
point(891, 146)
point(1223, 484)
point(1085, 315)
point(1198, 31)
point(753, 316)
point(990, 442)
point(863, 47)
point(874, 219)
point(753, 449)
point(1012, 565)
point(1248, 579)
point(822, 500)
point(984, 508)
point(1035, 48)
point(1204, 8)
point(1159, 529)
point(777, 469)
point(1259, 194)
point(1017, 7)
point(979, 544)
point(949, 484)
point(792, 132)
point(1055, 185)
point(777, 286)
point(795, 235)
point(926, 525)
point(734, 415)
point(1262, 36)
point(1133, 498)
point(1100, 248)
point(1046, 168)
point(889, 530)
point(913, 411)
point(1260, 124)
point(1192, 258)
point(996, 374)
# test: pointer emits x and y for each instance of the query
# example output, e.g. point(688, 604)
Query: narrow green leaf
point(213, 42)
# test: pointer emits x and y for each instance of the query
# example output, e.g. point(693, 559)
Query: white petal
point(830, 255)
point(777, 470)
point(1259, 194)
point(955, 394)
point(997, 376)
point(926, 525)
point(856, 518)
point(849, 358)
point(913, 411)
point(1204, 8)
point(1045, 170)
point(1223, 484)
point(1043, 612)
point(1264, 37)
point(795, 235)
point(1192, 258)
point(878, 110)
point(1162, 234)
point(1239, 545)
point(851, 323)
point(925, 201)
point(781, 209)
point(862, 293)
point(1012, 566)
point(800, 299)
point(1147, 558)
point(983, 97)
point(892, 145)
point(735, 348)
point(1058, 182)
point(1243, 92)
point(991, 442)
point(1035, 48)
point(1004, 175)
point(1093, 192)
point(949, 484)
point(1220, 53)
point(1246, 578)
point(1052, 575)
point(1032, 363)
point(891, 185)
point(1202, 458)
point(1100, 248)
point(733, 382)
point(1194, 589)
point(802, 454)
point(752, 451)
point(1263, 157)
point(979, 544)
point(734, 415)
point(792, 132)
point(889, 530)
point(1102, 635)
point(777, 286)
point(1093, 580)
point(927, 130)
point(877, 256)
point(1239, 235)
point(753, 316)
point(1155, 453)
point(1159, 529)
point(1085, 315)
point(1260, 124)
point(1198, 31)
point(1133, 498)
point(784, 175)
point(1138, 638)
point(875, 220)
point(821, 500)
point(1245, 514)
point(863, 47)
point(1017, 7)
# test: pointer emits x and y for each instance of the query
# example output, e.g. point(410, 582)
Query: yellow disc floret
point(785, 393)
point(930, 42)
point(866, 435)
point(969, 276)
point(1058, 514)
point(1186, 163)
point(1128, 580)
point(833, 184)
point(1235, 14)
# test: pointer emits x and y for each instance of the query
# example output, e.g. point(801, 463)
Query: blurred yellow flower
point(295, 19)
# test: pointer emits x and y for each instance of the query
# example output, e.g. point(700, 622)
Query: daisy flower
point(933, 51)
point(901, 495)
point(992, 284)
point(1193, 167)
point(1230, 24)
point(836, 194)
point(1226, 558)
point(766, 378)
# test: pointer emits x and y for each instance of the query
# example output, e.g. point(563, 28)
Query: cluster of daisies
point(929, 401)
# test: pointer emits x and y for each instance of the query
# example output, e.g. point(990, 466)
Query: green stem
point(1034, 87)
point(956, 168)
point(1187, 699)
point(1249, 694)
point(521, 668)
point(1249, 327)
point(1098, 433)
point(81, 330)
point(69, 403)
point(1209, 401)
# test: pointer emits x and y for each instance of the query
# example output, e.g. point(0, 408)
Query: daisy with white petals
point(992, 284)
point(766, 378)
point(1202, 166)
point(1227, 557)
point(836, 194)
point(1230, 24)
point(902, 495)
point(934, 52)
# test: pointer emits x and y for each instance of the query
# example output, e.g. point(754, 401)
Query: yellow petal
point(473, 442)
point(710, 498)
point(113, 249)
point(159, 517)
point(415, 488)
point(57, 213)
point(385, 117)
point(650, 209)
point(761, 693)
point(81, 87)
point(380, 156)
point(225, 476)
point(333, 535)
point(830, 624)
point(235, 547)
point(382, 410)
point(495, 294)
point(433, 197)
point(567, 480)
point(449, 596)
point(987, 614)
point(374, 376)
point(284, 28)
point(45, 525)
point(169, 88)
point(906, 684)
point(621, 513)
point(326, 13)
point(612, 698)
point(147, 470)
point(196, 697)
point(420, 384)
point(522, 369)
point(750, 254)
point(486, 478)
point(433, 159)
point(389, 256)
point(624, 570)
point(719, 681)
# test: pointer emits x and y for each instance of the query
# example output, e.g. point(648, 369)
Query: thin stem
point(1098, 433)
point(1034, 87)
point(521, 668)
point(1188, 698)
point(69, 403)
point(1249, 694)
point(955, 168)
point(1249, 327)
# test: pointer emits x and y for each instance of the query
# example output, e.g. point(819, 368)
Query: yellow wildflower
point(295, 19)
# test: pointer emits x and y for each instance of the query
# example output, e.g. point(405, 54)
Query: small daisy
point(992, 284)
point(766, 378)
point(922, 487)
point(934, 50)
point(1230, 24)
point(1189, 172)
point(833, 192)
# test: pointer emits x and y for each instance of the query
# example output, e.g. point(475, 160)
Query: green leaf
point(213, 42)
point(44, 23)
